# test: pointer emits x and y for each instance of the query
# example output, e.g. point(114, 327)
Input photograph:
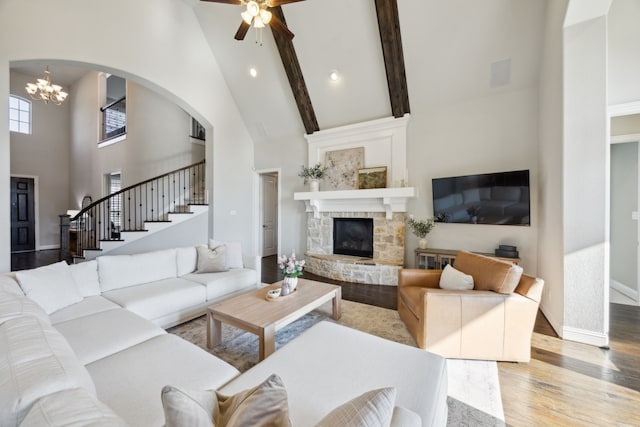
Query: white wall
point(288, 156)
point(585, 177)
point(157, 43)
point(624, 59)
point(44, 154)
point(482, 135)
point(156, 141)
point(550, 186)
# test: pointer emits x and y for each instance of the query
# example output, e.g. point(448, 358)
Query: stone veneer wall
point(388, 234)
point(388, 249)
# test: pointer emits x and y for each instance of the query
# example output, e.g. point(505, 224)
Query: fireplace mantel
point(388, 200)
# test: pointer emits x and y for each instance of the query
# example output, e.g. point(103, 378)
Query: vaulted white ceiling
point(449, 47)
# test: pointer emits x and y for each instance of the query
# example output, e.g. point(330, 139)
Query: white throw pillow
point(51, 286)
point(234, 252)
point(85, 275)
point(371, 409)
point(211, 260)
point(455, 280)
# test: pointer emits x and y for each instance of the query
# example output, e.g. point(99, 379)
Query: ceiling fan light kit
point(257, 14)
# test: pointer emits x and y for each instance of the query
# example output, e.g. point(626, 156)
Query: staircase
point(135, 212)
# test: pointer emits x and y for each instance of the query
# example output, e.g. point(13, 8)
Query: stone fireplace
point(388, 249)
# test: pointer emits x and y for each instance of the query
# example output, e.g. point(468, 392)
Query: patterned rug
point(474, 390)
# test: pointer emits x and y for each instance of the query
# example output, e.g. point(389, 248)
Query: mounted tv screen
point(493, 198)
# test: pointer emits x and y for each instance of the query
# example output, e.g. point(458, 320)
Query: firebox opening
point(353, 236)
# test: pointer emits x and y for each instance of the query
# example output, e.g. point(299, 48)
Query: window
point(114, 184)
point(19, 115)
point(114, 113)
point(197, 130)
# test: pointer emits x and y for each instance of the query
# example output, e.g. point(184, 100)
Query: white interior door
point(269, 213)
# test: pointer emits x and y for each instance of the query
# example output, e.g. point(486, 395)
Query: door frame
point(626, 139)
point(257, 217)
point(36, 203)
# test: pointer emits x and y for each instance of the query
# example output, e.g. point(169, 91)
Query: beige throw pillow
point(371, 409)
point(264, 405)
point(455, 280)
point(211, 260)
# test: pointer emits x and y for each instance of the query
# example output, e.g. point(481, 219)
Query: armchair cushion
point(489, 274)
point(455, 280)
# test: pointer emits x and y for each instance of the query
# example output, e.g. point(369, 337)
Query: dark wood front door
point(23, 223)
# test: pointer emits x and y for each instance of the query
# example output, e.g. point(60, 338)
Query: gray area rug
point(474, 390)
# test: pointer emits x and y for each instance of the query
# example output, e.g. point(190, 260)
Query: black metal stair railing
point(128, 209)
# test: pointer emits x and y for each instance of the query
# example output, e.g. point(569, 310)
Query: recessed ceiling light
point(253, 72)
point(334, 75)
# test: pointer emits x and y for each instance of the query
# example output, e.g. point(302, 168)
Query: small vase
point(289, 285)
point(422, 243)
point(314, 185)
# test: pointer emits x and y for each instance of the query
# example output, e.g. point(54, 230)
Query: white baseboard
point(586, 337)
point(48, 247)
point(624, 290)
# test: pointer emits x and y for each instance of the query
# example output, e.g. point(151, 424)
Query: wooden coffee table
point(253, 313)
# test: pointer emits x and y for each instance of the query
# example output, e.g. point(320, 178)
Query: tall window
point(114, 113)
point(19, 115)
point(197, 130)
point(114, 184)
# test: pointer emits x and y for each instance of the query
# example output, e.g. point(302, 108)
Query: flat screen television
point(493, 198)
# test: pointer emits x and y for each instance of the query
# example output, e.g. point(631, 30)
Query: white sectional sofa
point(90, 348)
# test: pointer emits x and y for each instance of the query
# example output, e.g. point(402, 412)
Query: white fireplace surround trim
point(388, 200)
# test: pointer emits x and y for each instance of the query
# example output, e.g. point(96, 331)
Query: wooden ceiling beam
point(294, 74)
point(389, 27)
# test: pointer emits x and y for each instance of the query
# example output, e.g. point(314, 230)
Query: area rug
point(474, 390)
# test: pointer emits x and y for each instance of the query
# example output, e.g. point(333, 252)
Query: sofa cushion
point(371, 409)
point(134, 394)
point(121, 271)
point(85, 275)
point(193, 408)
point(342, 361)
point(87, 306)
point(51, 286)
point(35, 361)
point(489, 274)
point(224, 283)
point(9, 283)
point(212, 260)
point(186, 260)
point(13, 305)
point(455, 280)
point(102, 334)
point(234, 252)
point(156, 299)
point(75, 407)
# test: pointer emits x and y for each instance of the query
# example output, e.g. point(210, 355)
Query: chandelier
point(43, 90)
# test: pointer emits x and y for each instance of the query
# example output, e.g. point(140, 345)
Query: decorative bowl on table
point(274, 293)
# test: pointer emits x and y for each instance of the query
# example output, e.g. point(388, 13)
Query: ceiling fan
point(258, 15)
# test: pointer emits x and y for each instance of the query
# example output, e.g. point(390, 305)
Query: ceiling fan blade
point(242, 30)
point(238, 2)
point(280, 27)
point(275, 3)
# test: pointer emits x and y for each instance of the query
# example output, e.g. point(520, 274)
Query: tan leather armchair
point(476, 324)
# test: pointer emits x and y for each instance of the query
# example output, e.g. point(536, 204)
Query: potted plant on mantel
point(421, 227)
point(313, 175)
